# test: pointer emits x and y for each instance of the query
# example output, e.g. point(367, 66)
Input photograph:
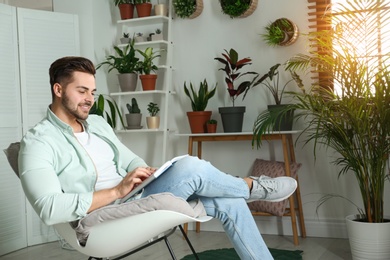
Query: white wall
point(196, 43)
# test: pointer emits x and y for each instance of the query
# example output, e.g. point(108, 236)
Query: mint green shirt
point(57, 174)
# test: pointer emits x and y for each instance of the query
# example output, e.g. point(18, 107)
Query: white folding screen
point(12, 202)
point(42, 37)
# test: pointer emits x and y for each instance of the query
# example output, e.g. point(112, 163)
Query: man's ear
point(57, 89)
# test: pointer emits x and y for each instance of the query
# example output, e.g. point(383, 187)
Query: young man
point(72, 163)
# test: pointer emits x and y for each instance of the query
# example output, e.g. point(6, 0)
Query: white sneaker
point(272, 189)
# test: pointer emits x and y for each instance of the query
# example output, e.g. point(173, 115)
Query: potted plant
point(188, 8)
point(238, 8)
point(153, 121)
point(199, 100)
point(354, 121)
point(126, 8)
point(281, 32)
point(99, 108)
point(232, 117)
point(139, 37)
point(157, 36)
point(127, 65)
point(148, 79)
point(271, 81)
point(211, 126)
point(134, 116)
point(144, 8)
point(125, 39)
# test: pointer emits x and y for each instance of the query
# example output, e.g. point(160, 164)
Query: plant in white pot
point(134, 116)
point(153, 121)
point(232, 117)
point(354, 121)
point(127, 65)
point(198, 117)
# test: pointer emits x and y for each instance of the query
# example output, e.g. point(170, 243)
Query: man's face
point(78, 96)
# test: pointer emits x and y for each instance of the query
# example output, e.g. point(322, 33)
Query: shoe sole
point(276, 200)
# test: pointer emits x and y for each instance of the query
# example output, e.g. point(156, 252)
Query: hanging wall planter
point(281, 32)
point(238, 8)
point(188, 8)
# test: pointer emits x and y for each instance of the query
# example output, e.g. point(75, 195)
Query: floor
point(314, 248)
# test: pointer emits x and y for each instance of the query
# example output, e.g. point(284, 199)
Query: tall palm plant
point(354, 121)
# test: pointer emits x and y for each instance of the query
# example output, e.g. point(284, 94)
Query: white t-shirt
point(103, 157)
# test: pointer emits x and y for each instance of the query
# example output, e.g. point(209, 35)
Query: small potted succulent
point(125, 38)
point(157, 36)
point(139, 37)
point(134, 116)
point(199, 100)
point(153, 121)
point(211, 126)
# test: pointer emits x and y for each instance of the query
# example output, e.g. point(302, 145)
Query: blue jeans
point(223, 197)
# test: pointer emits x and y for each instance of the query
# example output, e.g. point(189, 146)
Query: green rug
point(230, 254)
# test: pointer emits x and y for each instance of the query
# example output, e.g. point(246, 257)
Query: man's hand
point(132, 179)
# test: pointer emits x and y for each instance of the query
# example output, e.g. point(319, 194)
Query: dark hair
point(61, 70)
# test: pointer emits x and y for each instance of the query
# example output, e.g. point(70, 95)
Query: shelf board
point(155, 44)
point(150, 20)
point(139, 93)
point(128, 131)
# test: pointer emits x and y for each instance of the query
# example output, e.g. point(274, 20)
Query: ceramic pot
point(161, 9)
point(128, 81)
point(148, 81)
point(144, 10)
point(126, 11)
point(282, 123)
point(368, 241)
point(133, 121)
point(153, 122)
point(197, 120)
point(232, 118)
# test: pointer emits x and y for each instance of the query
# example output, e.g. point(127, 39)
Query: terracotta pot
point(197, 120)
point(126, 11)
point(153, 122)
point(211, 128)
point(144, 10)
point(148, 81)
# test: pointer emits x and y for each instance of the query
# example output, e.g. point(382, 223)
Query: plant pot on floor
point(282, 123)
point(153, 122)
point(148, 81)
point(198, 120)
point(134, 121)
point(232, 118)
point(126, 11)
point(368, 241)
point(144, 9)
point(128, 81)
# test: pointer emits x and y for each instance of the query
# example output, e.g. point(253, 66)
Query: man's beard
point(68, 106)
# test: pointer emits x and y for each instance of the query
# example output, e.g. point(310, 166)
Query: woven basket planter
point(198, 10)
point(251, 9)
point(294, 37)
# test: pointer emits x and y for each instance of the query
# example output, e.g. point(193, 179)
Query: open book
point(152, 177)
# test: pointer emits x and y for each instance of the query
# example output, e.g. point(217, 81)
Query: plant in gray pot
point(233, 117)
point(271, 81)
point(134, 117)
point(127, 65)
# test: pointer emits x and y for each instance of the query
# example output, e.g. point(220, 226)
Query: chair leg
point(169, 248)
point(188, 242)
